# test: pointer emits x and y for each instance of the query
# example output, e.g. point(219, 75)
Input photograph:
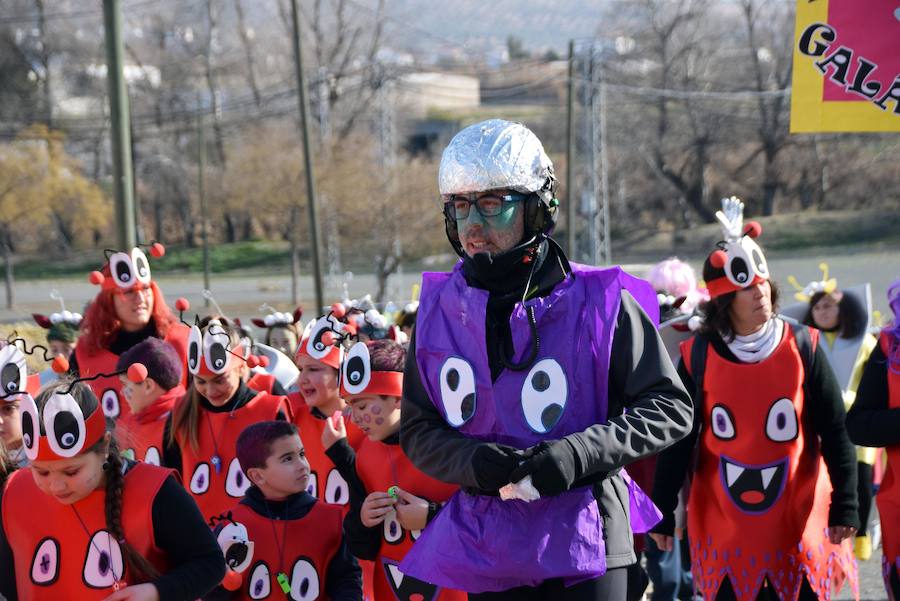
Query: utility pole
point(603, 215)
point(201, 192)
point(570, 154)
point(303, 102)
point(123, 177)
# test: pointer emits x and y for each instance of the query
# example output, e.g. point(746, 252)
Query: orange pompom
point(60, 364)
point(718, 259)
point(252, 361)
point(182, 304)
point(96, 278)
point(753, 229)
point(338, 310)
point(137, 373)
point(157, 250)
point(232, 580)
point(263, 361)
point(328, 338)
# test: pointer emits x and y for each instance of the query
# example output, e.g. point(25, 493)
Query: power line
point(74, 14)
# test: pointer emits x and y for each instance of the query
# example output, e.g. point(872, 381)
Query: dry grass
point(33, 334)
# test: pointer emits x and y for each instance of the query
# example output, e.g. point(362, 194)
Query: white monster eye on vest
point(357, 368)
point(304, 581)
point(260, 582)
point(140, 265)
point(458, 391)
point(336, 489)
point(236, 546)
point(236, 483)
point(103, 566)
point(45, 565)
point(30, 428)
point(393, 531)
point(122, 269)
point(109, 401)
point(195, 342)
point(757, 259)
point(722, 423)
point(200, 479)
point(64, 425)
point(544, 395)
point(781, 423)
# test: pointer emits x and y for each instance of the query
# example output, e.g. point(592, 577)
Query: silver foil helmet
point(495, 154)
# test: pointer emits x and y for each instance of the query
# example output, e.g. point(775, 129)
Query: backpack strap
point(697, 369)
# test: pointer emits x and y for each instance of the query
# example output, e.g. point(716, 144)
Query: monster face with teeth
point(755, 512)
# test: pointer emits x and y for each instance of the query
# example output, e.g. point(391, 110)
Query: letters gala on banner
point(846, 66)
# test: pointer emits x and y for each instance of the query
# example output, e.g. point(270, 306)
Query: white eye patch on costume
point(208, 353)
point(67, 432)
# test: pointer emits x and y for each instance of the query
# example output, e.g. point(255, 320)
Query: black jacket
point(871, 421)
point(642, 380)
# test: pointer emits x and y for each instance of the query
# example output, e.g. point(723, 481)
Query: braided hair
point(137, 565)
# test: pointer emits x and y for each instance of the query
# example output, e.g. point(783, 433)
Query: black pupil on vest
point(217, 354)
point(10, 377)
point(453, 379)
point(467, 407)
point(781, 421)
point(65, 428)
point(550, 415)
point(103, 564)
point(304, 587)
point(123, 272)
point(540, 381)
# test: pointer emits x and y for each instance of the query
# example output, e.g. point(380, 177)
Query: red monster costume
point(301, 549)
point(758, 508)
point(381, 466)
point(211, 470)
point(123, 273)
point(68, 553)
point(325, 483)
point(888, 497)
point(141, 434)
point(61, 560)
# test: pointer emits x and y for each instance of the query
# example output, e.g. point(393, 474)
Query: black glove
point(553, 467)
point(493, 464)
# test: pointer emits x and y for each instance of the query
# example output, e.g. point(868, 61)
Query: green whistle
point(394, 492)
point(284, 582)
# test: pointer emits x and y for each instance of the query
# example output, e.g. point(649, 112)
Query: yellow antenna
point(793, 282)
point(824, 267)
point(415, 292)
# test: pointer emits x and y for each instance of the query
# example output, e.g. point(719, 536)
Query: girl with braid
point(84, 523)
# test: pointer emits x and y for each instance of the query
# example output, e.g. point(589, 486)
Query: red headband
point(723, 285)
point(387, 383)
point(66, 444)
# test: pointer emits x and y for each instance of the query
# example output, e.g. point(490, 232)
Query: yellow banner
point(846, 66)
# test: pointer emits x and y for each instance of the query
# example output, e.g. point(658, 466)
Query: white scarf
point(759, 345)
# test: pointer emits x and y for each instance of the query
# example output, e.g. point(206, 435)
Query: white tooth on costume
point(732, 473)
point(396, 575)
point(767, 475)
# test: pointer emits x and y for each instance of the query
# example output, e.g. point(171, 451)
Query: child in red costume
point(81, 523)
point(202, 430)
point(140, 433)
point(764, 519)
point(874, 421)
point(129, 308)
point(391, 501)
point(294, 542)
point(318, 398)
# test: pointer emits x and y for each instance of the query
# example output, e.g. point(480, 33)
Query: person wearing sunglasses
point(520, 369)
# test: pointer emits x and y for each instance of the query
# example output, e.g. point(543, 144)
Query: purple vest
point(481, 543)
